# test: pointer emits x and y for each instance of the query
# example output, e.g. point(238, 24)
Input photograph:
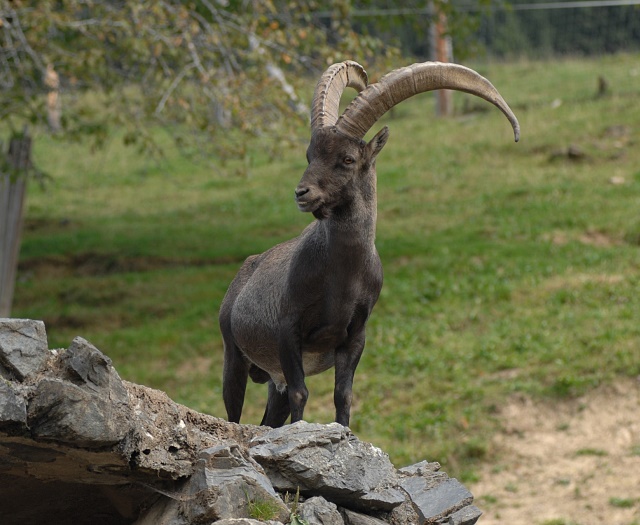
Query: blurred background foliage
point(214, 71)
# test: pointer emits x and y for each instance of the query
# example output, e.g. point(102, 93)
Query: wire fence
point(606, 32)
point(513, 28)
point(552, 29)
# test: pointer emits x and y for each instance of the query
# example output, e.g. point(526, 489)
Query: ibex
point(301, 307)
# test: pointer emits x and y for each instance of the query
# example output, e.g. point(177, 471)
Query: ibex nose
point(300, 191)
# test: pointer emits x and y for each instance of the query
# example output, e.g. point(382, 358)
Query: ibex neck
point(354, 222)
point(351, 227)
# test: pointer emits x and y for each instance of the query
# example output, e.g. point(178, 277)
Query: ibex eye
point(349, 159)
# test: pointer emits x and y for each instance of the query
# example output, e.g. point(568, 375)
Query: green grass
point(263, 510)
point(591, 452)
point(622, 503)
point(508, 267)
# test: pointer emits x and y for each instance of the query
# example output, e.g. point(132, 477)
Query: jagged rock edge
point(202, 431)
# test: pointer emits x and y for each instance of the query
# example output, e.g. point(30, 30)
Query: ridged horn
point(326, 98)
point(400, 84)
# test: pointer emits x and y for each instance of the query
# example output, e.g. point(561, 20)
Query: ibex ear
point(377, 143)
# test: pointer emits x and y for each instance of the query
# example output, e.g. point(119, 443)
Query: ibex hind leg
point(234, 380)
point(278, 409)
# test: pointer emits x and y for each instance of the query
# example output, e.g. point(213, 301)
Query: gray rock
point(75, 438)
point(13, 409)
point(64, 412)
point(23, 348)
point(165, 439)
point(90, 410)
point(429, 472)
point(164, 512)
point(223, 488)
point(381, 499)
point(432, 504)
point(319, 511)
point(465, 516)
point(91, 369)
point(329, 461)
point(404, 514)
point(226, 484)
point(355, 518)
point(423, 468)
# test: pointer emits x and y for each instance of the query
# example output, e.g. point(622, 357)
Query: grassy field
point(509, 268)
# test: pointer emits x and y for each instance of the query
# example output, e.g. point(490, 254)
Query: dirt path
point(573, 463)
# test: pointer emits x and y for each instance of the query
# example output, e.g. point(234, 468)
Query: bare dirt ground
point(571, 463)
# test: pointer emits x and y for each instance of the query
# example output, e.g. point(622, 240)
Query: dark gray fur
point(301, 307)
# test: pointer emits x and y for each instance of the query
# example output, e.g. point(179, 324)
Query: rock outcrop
point(80, 445)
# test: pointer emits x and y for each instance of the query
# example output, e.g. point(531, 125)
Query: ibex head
point(339, 160)
point(337, 173)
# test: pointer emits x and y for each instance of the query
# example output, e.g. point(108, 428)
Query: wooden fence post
point(14, 171)
point(54, 112)
point(442, 51)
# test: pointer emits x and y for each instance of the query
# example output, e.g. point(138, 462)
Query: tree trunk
point(442, 52)
point(54, 111)
point(13, 185)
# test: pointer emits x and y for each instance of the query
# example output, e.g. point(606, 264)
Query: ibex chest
point(340, 302)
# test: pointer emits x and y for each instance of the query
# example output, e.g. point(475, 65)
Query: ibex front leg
point(347, 359)
point(277, 410)
point(293, 370)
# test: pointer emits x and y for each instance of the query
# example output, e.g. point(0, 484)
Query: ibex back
point(301, 307)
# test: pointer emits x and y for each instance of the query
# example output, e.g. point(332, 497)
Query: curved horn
point(326, 98)
point(398, 85)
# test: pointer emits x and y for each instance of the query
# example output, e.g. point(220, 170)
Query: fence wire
point(543, 30)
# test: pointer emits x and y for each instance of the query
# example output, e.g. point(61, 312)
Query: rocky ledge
point(80, 445)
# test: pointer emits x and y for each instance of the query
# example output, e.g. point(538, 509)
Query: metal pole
point(13, 185)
